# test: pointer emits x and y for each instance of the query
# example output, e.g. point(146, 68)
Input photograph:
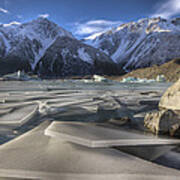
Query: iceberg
point(98, 78)
point(161, 78)
point(19, 76)
point(137, 80)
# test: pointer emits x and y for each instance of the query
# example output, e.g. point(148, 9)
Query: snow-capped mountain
point(141, 44)
point(24, 46)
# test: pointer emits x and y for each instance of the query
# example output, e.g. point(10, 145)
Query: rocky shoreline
point(170, 70)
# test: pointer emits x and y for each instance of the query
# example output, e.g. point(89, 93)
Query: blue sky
point(85, 17)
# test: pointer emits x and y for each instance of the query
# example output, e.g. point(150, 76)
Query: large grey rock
point(171, 98)
point(163, 122)
point(36, 156)
point(167, 120)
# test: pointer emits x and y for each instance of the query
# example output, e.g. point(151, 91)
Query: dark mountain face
point(70, 57)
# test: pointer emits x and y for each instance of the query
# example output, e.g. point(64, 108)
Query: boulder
point(167, 119)
point(171, 98)
point(163, 122)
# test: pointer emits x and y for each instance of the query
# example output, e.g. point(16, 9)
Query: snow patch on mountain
point(40, 54)
point(13, 23)
point(64, 53)
point(6, 42)
point(124, 48)
point(83, 55)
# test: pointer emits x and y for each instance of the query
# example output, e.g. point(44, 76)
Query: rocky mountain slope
point(141, 44)
point(42, 46)
point(171, 71)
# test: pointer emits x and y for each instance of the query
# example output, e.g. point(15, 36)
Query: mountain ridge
point(141, 44)
point(43, 47)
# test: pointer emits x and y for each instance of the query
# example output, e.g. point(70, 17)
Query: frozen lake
point(23, 105)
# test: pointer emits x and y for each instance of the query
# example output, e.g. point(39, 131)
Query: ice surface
point(95, 136)
point(36, 156)
point(18, 115)
point(40, 157)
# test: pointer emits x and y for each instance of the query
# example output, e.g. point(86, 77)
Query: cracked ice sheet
point(35, 155)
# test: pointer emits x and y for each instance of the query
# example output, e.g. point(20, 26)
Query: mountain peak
point(34, 37)
point(48, 27)
point(43, 20)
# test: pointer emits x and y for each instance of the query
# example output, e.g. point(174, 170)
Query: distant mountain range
point(43, 47)
point(140, 44)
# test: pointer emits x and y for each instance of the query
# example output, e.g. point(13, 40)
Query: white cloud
point(168, 9)
point(4, 11)
point(15, 23)
point(94, 26)
point(44, 15)
point(103, 22)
